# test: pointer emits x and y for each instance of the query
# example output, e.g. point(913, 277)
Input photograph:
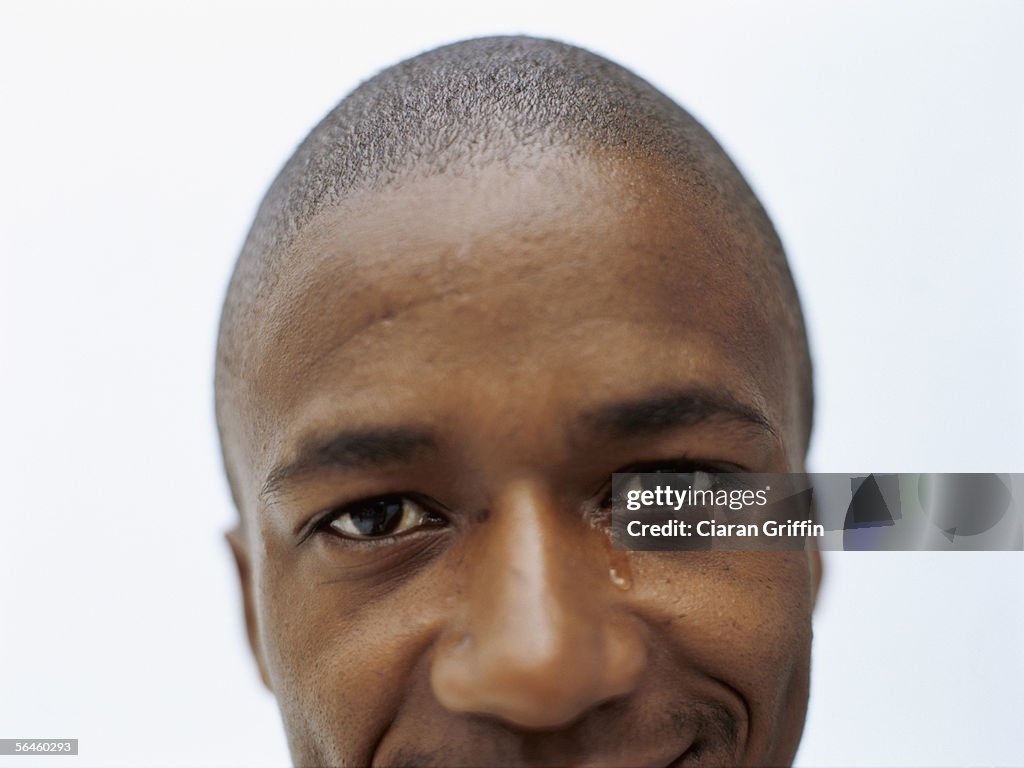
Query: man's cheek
point(339, 664)
point(743, 620)
point(745, 616)
point(321, 668)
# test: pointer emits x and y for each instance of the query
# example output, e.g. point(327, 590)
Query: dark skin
point(441, 384)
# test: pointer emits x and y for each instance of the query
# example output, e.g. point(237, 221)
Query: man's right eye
point(698, 479)
point(379, 518)
point(700, 476)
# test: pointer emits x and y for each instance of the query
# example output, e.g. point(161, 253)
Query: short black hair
point(485, 101)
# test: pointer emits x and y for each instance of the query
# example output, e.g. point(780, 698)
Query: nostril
point(537, 687)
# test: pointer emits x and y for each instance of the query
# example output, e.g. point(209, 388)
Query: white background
point(887, 141)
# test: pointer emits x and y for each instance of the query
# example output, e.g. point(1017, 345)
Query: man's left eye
point(381, 517)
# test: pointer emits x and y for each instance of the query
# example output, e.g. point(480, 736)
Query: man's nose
point(541, 635)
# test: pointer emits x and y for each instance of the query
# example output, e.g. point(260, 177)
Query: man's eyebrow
point(663, 410)
point(351, 449)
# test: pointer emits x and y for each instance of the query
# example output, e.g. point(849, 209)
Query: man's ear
point(814, 562)
point(236, 541)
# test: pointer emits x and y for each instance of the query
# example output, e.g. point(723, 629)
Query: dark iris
point(378, 517)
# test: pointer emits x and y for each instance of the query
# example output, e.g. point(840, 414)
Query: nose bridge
point(522, 595)
point(539, 638)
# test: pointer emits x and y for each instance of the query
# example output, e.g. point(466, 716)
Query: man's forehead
point(499, 241)
point(602, 270)
point(471, 214)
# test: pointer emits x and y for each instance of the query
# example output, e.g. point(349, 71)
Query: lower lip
point(675, 763)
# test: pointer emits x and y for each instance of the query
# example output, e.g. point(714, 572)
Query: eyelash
point(325, 524)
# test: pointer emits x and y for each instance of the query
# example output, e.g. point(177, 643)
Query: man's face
point(443, 380)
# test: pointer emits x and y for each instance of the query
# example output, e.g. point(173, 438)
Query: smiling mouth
point(678, 761)
point(654, 759)
point(702, 734)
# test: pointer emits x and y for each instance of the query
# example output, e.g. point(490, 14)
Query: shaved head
point(505, 101)
point(492, 277)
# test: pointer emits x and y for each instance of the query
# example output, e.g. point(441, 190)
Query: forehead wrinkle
point(457, 219)
point(509, 213)
point(384, 309)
